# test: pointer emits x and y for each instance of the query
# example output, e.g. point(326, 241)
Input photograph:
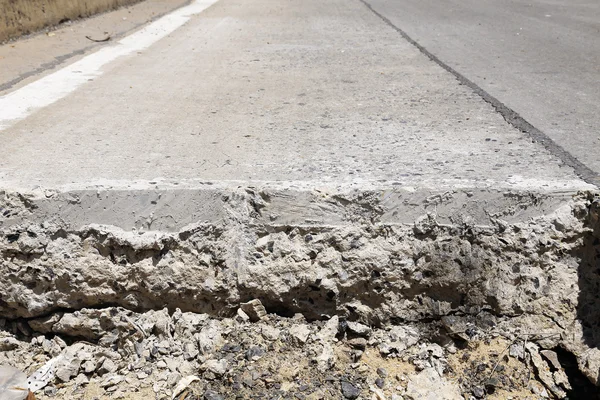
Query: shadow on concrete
point(588, 306)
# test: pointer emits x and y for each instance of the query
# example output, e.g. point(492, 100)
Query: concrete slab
point(319, 93)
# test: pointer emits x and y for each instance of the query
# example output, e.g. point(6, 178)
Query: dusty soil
point(27, 57)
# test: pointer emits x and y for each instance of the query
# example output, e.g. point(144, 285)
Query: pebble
point(254, 353)
point(212, 395)
point(382, 372)
point(478, 392)
point(349, 391)
point(50, 391)
point(217, 367)
point(380, 383)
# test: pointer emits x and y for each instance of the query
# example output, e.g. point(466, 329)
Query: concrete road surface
point(307, 94)
point(539, 57)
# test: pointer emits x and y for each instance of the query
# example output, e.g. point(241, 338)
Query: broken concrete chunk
point(217, 367)
point(108, 366)
point(330, 330)
point(8, 343)
point(269, 332)
point(543, 371)
point(78, 324)
point(359, 329)
point(67, 369)
point(254, 309)
point(429, 385)
point(300, 333)
point(13, 384)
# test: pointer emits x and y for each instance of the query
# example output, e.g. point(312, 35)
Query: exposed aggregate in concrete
point(535, 280)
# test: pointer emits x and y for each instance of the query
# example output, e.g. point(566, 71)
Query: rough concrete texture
point(364, 270)
point(18, 17)
point(333, 172)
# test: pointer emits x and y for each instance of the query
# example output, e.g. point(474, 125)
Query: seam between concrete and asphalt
point(511, 116)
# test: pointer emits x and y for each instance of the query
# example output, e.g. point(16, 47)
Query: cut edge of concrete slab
point(170, 206)
point(376, 256)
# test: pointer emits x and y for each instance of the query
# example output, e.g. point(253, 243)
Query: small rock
point(242, 316)
point(478, 392)
point(8, 343)
point(50, 391)
point(429, 385)
point(254, 309)
point(68, 370)
point(363, 369)
point(326, 359)
point(350, 391)
point(209, 337)
point(330, 330)
point(141, 375)
point(552, 357)
point(44, 324)
point(190, 351)
point(380, 383)
point(382, 372)
point(108, 366)
point(88, 367)
point(254, 353)
point(61, 343)
point(183, 384)
point(516, 350)
point(300, 333)
point(81, 379)
point(358, 343)
point(270, 333)
point(217, 367)
point(212, 395)
point(112, 380)
point(359, 329)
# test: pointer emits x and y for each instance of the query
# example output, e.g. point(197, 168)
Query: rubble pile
point(119, 354)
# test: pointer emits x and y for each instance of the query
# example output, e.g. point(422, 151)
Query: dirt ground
point(28, 57)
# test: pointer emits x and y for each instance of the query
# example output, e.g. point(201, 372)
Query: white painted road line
point(23, 102)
